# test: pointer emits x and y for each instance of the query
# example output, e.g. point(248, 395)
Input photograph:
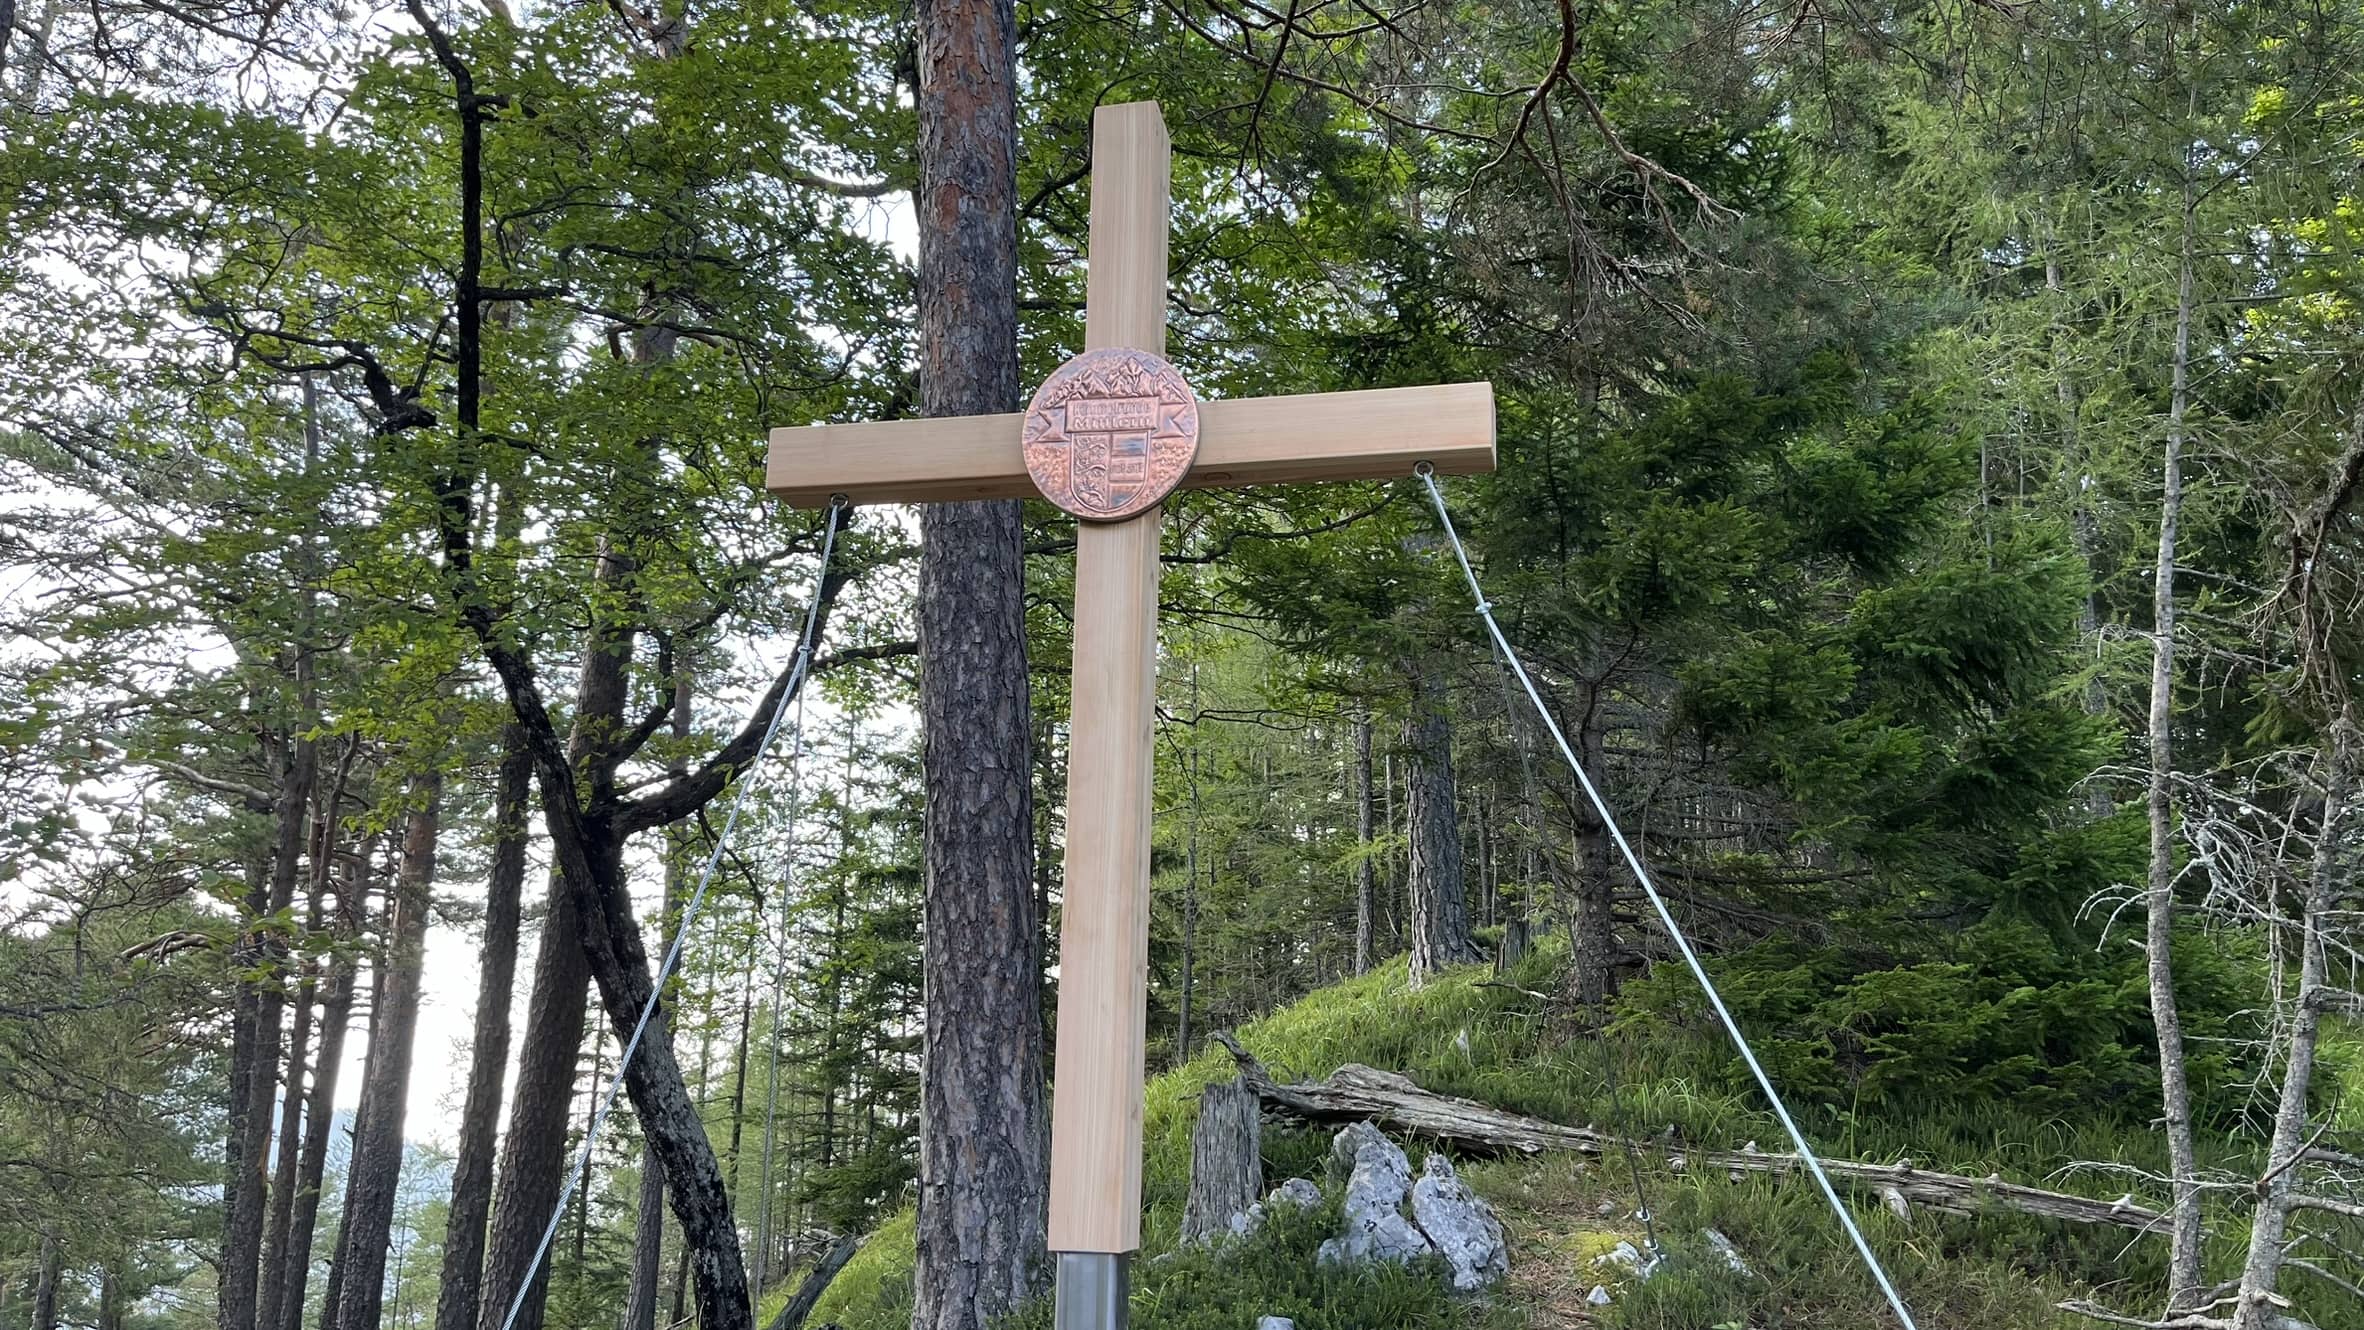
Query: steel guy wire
point(1617, 1119)
point(1485, 610)
point(748, 781)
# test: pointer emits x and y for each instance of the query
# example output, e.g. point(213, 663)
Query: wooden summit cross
point(1108, 436)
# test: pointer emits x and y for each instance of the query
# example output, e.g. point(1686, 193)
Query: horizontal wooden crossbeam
point(1370, 435)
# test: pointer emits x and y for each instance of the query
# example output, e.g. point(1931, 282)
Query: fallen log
point(808, 1294)
point(1358, 1093)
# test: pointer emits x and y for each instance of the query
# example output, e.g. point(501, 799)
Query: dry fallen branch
point(1358, 1093)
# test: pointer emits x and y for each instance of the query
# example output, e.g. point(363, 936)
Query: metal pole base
point(1094, 1288)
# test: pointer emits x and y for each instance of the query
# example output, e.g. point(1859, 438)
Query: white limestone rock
point(1245, 1222)
point(1275, 1323)
point(1377, 1178)
point(1461, 1226)
point(1381, 1235)
point(1295, 1194)
point(1727, 1253)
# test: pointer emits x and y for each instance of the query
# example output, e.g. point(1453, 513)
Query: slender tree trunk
point(2269, 1225)
point(457, 1300)
point(984, 1130)
point(533, 1148)
point(747, 986)
point(336, 1010)
point(292, 841)
point(581, 1226)
point(1592, 922)
point(272, 1292)
point(1388, 916)
point(2184, 1278)
point(242, 1197)
point(765, 1187)
point(1190, 886)
point(255, 1058)
point(110, 1300)
point(648, 1231)
point(1440, 909)
point(1366, 872)
point(2084, 532)
point(45, 1282)
point(374, 1180)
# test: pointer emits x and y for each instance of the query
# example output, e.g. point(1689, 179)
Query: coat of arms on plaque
point(1110, 433)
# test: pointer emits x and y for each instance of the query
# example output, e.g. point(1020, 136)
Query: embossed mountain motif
point(1110, 433)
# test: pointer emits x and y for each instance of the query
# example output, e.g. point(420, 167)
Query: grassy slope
point(1489, 1042)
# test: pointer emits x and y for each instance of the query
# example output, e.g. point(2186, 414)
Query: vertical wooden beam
point(1104, 928)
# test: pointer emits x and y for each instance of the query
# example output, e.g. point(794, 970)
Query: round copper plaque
point(1110, 433)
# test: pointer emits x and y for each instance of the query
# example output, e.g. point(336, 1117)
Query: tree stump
point(1226, 1159)
point(1518, 937)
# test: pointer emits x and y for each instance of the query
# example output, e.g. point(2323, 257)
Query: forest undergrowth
point(1475, 1035)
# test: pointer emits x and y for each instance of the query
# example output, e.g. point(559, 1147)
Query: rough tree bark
point(983, 1151)
point(374, 1178)
point(1226, 1159)
point(457, 1299)
point(1440, 909)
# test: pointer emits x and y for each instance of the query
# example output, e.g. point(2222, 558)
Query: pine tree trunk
point(255, 1058)
point(2084, 531)
point(272, 1290)
point(1440, 910)
point(1366, 872)
point(984, 1130)
point(242, 1184)
point(336, 1010)
point(45, 1281)
point(458, 1296)
point(374, 1181)
point(2184, 1279)
point(110, 1301)
point(1592, 923)
point(581, 1224)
